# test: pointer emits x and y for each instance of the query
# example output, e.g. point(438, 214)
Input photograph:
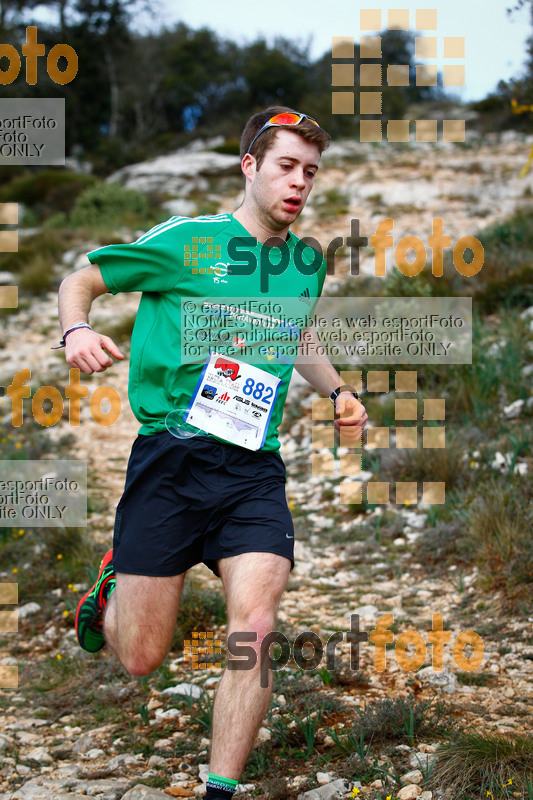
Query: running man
point(217, 498)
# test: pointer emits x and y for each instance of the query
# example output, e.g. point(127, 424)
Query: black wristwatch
point(345, 388)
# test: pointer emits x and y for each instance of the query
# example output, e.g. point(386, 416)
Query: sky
point(495, 41)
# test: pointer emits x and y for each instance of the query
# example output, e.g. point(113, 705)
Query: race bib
point(234, 401)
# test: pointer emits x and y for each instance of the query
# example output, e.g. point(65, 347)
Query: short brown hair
point(305, 129)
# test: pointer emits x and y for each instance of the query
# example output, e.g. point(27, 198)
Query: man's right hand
point(86, 350)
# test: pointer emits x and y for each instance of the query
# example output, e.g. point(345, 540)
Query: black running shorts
point(191, 500)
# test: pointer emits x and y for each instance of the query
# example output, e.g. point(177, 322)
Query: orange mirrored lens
point(285, 119)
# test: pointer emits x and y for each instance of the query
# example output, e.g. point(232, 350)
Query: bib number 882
point(256, 390)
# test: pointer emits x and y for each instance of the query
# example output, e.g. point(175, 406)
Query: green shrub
point(230, 147)
point(109, 204)
point(47, 192)
point(498, 535)
point(485, 763)
point(37, 277)
point(34, 262)
point(402, 718)
point(436, 464)
point(444, 544)
point(513, 291)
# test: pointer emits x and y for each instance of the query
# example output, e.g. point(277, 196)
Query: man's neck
point(256, 228)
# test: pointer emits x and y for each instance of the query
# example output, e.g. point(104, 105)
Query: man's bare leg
point(253, 583)
point(140, 619)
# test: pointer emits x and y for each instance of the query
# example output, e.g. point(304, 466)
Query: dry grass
point(474, 764)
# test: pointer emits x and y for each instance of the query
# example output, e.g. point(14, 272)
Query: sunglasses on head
point(286, 118)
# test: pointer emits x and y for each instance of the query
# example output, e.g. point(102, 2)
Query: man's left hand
point(352, 416)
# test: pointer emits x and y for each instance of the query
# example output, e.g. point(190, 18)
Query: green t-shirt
point(183, 259)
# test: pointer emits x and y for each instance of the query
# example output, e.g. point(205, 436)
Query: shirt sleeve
point(154, 263)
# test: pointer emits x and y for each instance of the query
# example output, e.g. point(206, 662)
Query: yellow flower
point(472, 463)
point(389, 797)
point(4, 440)
point(59, 656)
point(489, 794)
point(22, 532)
point(510, 780)
point(17, 445)
point(59, 556)
point(65, 613)
point(355, 791)
point(15, 571)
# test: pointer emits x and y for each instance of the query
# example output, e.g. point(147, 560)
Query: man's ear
point(248, 166)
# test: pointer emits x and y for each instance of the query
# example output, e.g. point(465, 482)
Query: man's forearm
point(76, 294)
point(320, 373)
point(85, 349)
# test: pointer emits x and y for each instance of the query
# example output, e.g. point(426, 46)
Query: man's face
point(279, 189)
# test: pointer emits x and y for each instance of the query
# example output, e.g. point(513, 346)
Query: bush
point(485, 763)
point(444, 544)
point(230, 147)
point(47, 192)
point(444, 464)
point(34, 262)
point(498, 535)
point(401, 718)
point(109, 204)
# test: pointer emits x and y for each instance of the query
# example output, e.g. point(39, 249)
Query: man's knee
point(258, 622)
point(140, 663)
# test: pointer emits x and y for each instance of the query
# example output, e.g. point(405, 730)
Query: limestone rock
point(179, 173)
point(415, 776)
point(410, 792)
point(84, 743)
point(329, 791)
point(444, 680)
point(28, 609)
point(39, 755)
point(140, 792)
point(184, 690)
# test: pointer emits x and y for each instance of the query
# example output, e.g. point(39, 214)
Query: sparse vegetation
point(477, 763)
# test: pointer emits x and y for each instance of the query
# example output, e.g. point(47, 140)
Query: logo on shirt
point(220, 270)
point(305, 297)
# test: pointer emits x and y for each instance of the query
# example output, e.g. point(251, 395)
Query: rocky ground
point(51, 751)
